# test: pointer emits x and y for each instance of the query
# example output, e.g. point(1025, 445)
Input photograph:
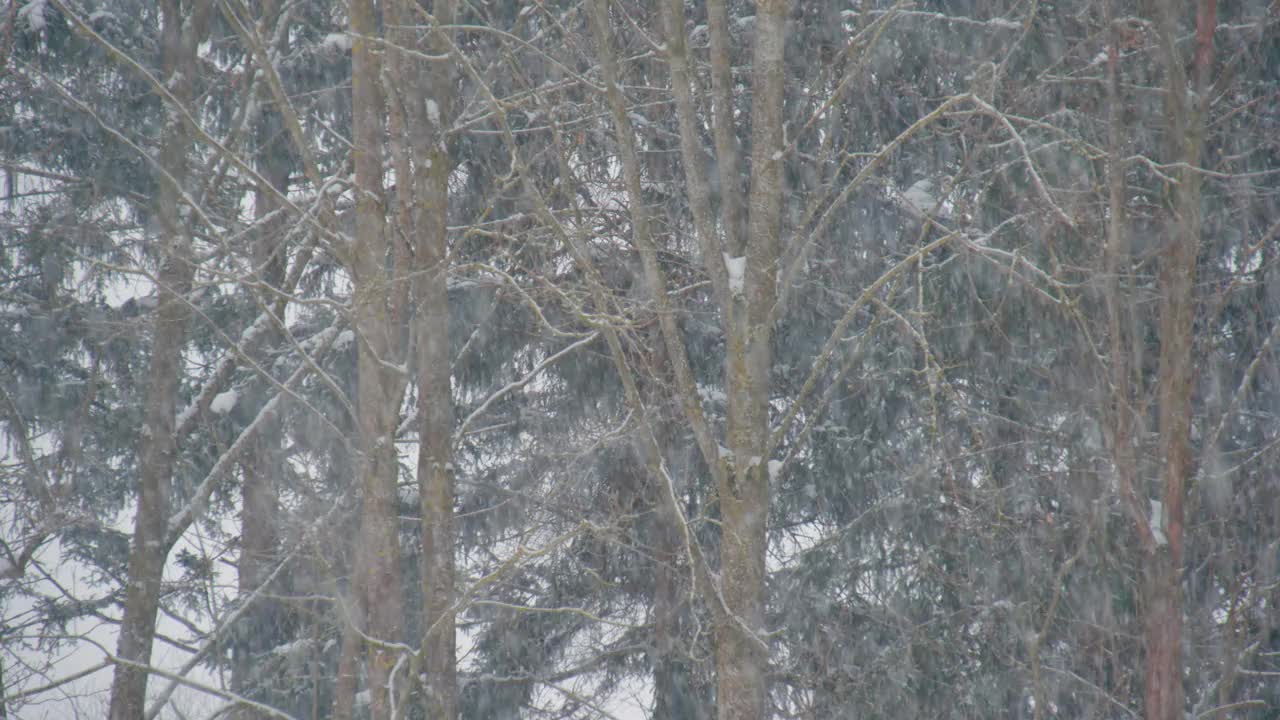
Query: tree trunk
point(157, 448)
point(262, 629)
point(666, 603)
point(350, 614)
point(381, 379)
point(430, 112)
point(1184, 113)
point(743, 274)
point(348, 674)
point(259, 496)
point(741, 659)
point(1163, 635)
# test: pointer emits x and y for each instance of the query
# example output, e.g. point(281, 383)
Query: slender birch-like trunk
point(260, 492)
point(158, 447)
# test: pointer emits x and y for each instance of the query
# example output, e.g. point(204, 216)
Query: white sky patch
point(712, 394)
point(920, 195)
point(184, 416)
point(86, 696)
point(33, 15)
point(737, 267)
point(433, 111)
point(336, 42)
point(292, 647)
point(1157, 523)
point(224, 402)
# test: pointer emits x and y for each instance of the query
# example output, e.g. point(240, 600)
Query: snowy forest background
point(590, 359)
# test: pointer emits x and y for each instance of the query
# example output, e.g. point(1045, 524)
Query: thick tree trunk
point(1184, 113)
point(435, 480)
point(149, 547)
point(1163, 634)
point(421, 109)
point(741, 659)
point(430, 114)
point(743, 273)
point(381, 379)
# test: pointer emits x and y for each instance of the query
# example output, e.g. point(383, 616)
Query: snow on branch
point(515, 385)
point(183, 518)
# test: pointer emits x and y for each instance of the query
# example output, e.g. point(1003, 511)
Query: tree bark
point(262, 628)
point(744, 277)
point(1184, 115)
point(348, 674)
point(431, 110)
point(259, 493)
point(158, 447)
point(741, 660)
point(381, 380)
point(666, 603)
point(350, 614)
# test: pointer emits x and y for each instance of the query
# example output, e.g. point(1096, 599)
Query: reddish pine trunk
point(1163, 583)
point(1163, 631)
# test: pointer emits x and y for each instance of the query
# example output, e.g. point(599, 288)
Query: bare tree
point(900, 358)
